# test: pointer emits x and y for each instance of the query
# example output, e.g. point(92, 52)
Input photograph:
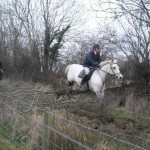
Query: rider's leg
point(85, 77)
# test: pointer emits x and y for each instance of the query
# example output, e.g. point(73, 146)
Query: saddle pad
point(81, 74)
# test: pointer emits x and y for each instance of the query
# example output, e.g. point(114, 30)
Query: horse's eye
point(114, 67)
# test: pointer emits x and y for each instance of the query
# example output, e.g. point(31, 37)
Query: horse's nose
point(120, 77)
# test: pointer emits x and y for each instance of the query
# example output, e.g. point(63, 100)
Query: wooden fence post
point(46, 130)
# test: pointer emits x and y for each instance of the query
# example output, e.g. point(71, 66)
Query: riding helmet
point(96, 46)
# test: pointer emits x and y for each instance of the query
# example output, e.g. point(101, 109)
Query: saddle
point(86, 78)
point(82, 73)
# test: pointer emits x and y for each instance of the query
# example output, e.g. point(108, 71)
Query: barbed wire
point(70, 121)
point(52, 129)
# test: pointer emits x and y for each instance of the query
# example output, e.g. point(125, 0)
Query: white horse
point(98, 78)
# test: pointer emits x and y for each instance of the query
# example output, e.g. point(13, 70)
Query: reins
point(101, 76)
point(111, 69)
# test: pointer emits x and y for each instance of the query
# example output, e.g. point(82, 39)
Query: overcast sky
point(96, 17)
point(91, 15)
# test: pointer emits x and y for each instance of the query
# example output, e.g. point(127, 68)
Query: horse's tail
point(67, 69)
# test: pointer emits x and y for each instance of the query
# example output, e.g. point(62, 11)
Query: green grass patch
point(90, 111)
point(142, 120)
point(6, 134)
point(122, 115)
point(5, 145)
point(90, 108)
point(5, 130)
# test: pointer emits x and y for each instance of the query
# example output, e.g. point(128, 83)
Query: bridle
point(114, 74)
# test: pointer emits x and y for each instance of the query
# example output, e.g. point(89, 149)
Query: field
point(36, 116)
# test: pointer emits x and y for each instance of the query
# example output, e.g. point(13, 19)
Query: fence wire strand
point(7, 109)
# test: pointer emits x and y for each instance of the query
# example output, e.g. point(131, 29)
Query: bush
point(52, 78)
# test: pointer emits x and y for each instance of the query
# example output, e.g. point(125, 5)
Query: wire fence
point(27, 126)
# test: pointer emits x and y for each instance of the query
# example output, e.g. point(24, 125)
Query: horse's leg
point(69, 89)
point(100, 96)
point(1, 74)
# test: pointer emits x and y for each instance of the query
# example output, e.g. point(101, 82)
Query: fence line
point(70, 121)
point(63, 135)
point(100, 132)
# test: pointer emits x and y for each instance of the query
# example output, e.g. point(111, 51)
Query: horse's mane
point(105, 62)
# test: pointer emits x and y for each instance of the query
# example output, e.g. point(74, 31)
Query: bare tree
point(139, 9)
point(133, 19)
point(26, 13)
point(59, 18)
point(32, 33)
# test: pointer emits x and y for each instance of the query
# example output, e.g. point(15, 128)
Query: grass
point(92, 111)
point(79, 108)
point(123, 115)
point(5, 145)
point(5, 130)
point(124, 125)
point(6, 138)
point(5, 134)
point(89, 138)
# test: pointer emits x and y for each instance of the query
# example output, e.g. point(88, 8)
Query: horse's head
point(114, 69)
point(111, 67)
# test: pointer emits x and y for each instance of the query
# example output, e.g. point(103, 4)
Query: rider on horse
point(92, 60)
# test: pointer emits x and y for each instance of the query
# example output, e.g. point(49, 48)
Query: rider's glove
point(97, 65)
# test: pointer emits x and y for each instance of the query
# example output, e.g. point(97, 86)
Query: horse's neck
point(104, 71)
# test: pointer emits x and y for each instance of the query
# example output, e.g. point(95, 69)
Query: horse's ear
point(115, 61)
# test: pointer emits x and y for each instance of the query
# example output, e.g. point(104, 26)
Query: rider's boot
point(84, 79)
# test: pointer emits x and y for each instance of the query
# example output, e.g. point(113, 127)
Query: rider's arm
point(99, 59)
point(91, 60)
